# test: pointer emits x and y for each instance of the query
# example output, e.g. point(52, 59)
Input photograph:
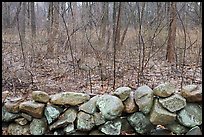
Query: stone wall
point(159, 111)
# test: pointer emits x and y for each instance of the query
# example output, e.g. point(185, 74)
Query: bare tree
point(33, 19)
point(170, 56)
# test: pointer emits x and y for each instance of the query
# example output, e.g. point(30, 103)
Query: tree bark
point(170, 56)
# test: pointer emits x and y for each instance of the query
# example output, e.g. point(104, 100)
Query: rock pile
point(145, 111)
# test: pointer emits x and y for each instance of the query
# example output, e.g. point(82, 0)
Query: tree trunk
point(170, 56)
point(33, 24)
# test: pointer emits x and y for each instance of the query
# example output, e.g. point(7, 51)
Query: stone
point(67, 117)
point(161, 116)
point(7, 116)
point(110, 106)
point(194, 131)
point(21, 121)
point(96, 132)
point(12, 105)
point(177, 128)
point(16, 129)
point(98, 118)
point(144, 98)
point(69, 98)
point(32, 108)
point(38, 126)
point(122, 92)
point(40, 96)
point(26, 116)
point(164, 90)
point(126, 127)
point(173, 103)
point(140, 123)
point(85, 122)
point(192, 93)
point(52, 112)
point(111, 127)
point(129, 104)
point(69, 129)
point(161, 132)
point(90, 106)
point(191, 115)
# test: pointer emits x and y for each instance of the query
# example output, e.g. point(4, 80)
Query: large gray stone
point(99, 118)
point(173, 103)
point(69, 129)
point(144, 98)
point(191, 115)
point(177, 128)
point(38, 126)
point(69, 98)
point(110, 106)
point(194, 131)
point(32, 108)
point(67, 117)
point(7, 116)
point(161, 116)
point(40, 96)
point(85, 122)
point(16, 129)
point(192, 93)
point(122, 92)
point(52, 112)
point(164, 90)
point(111, 127)
point(90, 106)
point(140, 122)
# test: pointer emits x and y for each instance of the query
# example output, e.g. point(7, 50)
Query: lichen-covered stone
point(144, 98)
point(85, 122)
point(16, 129)
point(40, 96)
point(191, 115)
point(99, 118)
point(194, 131)
point(161, 116)
point(192, 93)
point(67, 117)
point(164, 90)
point(173, 103)
point(110, 106)
point(177, 128)
point(7, 116)
point(69, 129)
point(69, 98)
point(140, 122)
point(130, 105)
point(52, 112)
point(89, 106)
point(111, 127)
point(32, 108)
point(122, 92)
point(38, 126)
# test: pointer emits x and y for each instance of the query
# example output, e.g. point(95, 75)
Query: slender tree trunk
point(170, 56)
point(33, 19)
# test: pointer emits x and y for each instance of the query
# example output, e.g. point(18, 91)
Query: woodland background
point(95, 47)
